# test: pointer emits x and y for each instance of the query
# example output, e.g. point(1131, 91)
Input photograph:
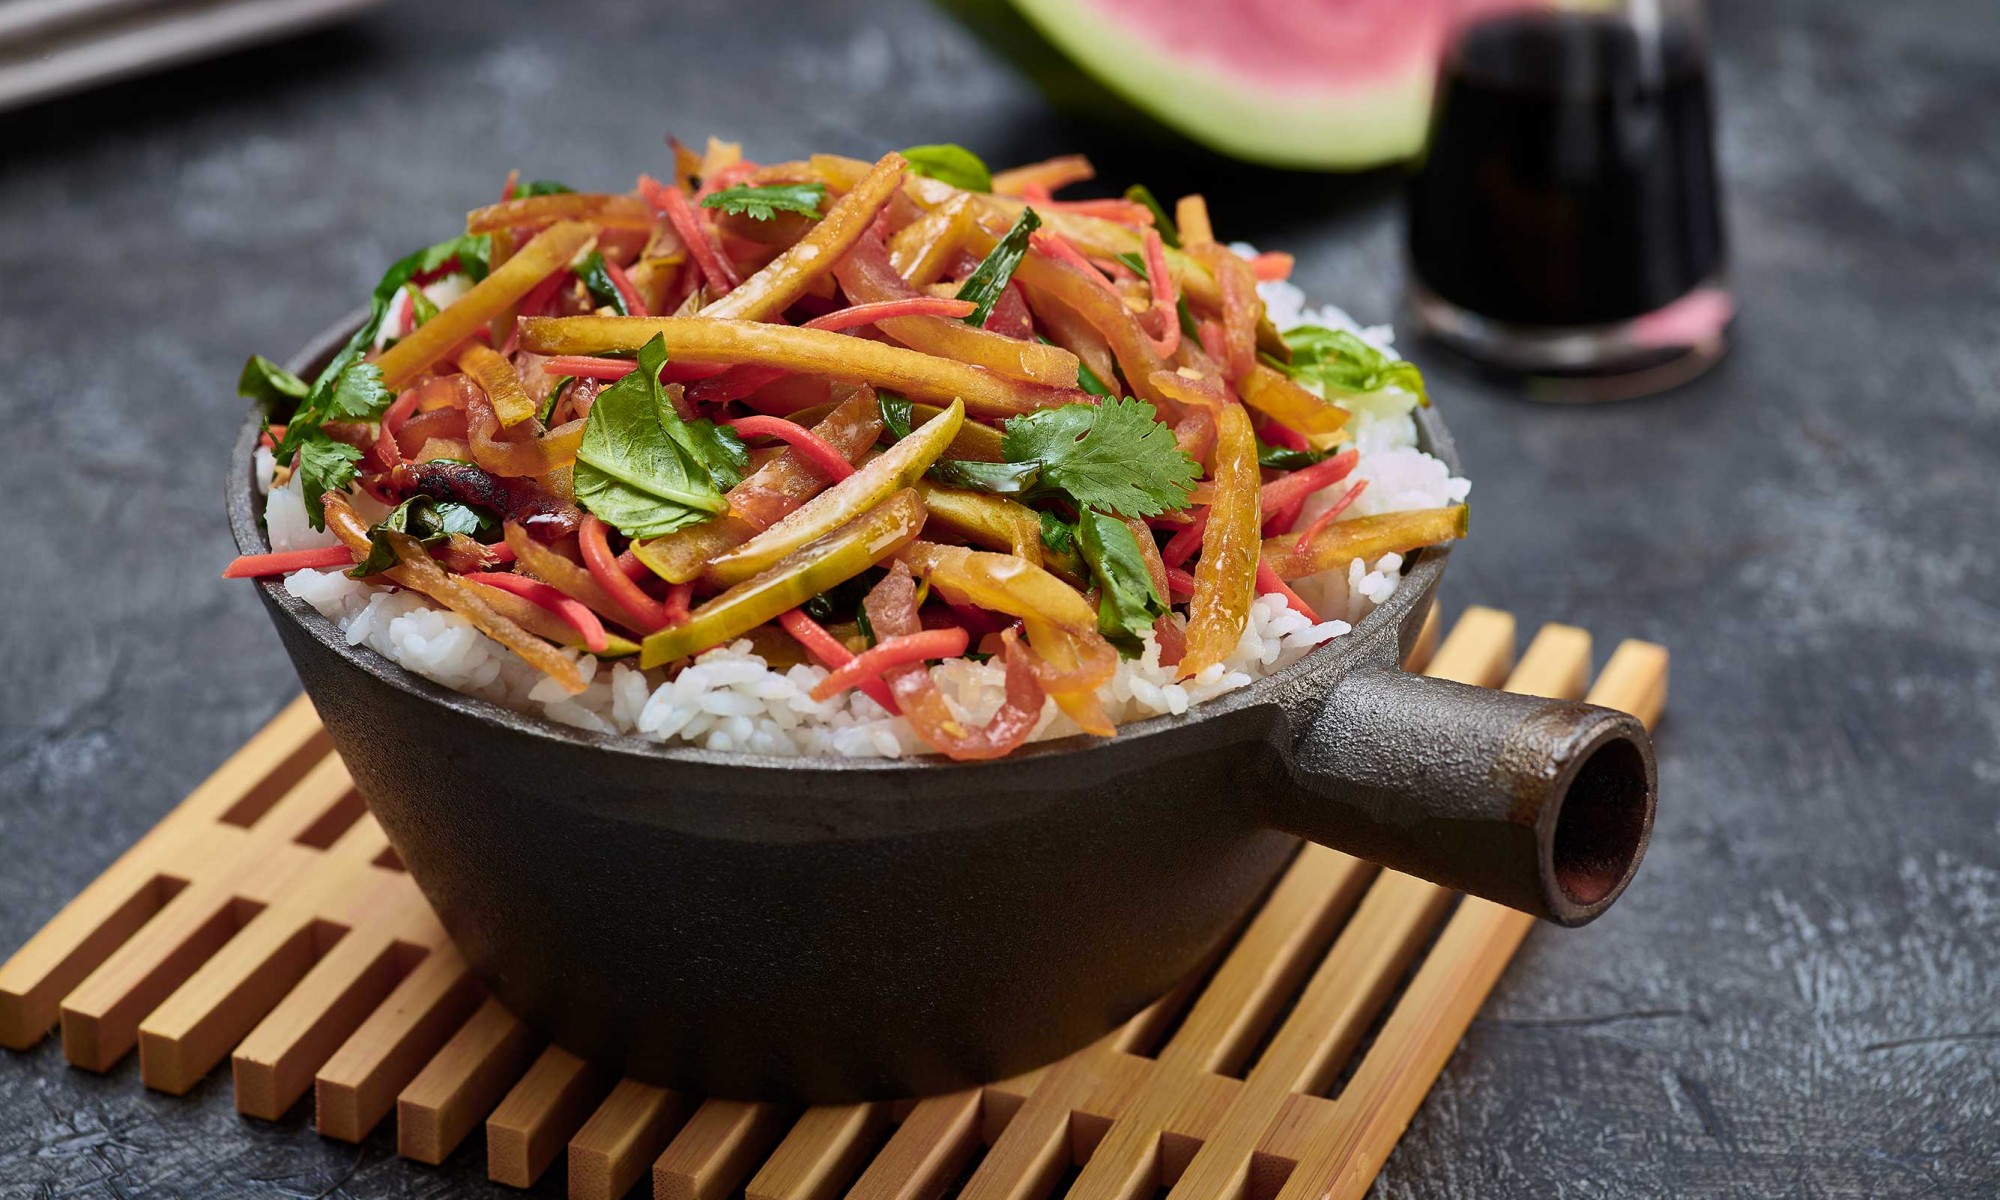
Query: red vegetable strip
point(1182, 545)
point(678, 603)
point(811, 446)
point(1058, 247)
point(1179, 583)
point(884, 310)
point(890, 653)
point(1327, 518)
point(827, 649)
point(693, 231)
point(1304, 482)
point(1268, 582)
point(399, 412)
point(1281, 519)
point(548, 596)
point(645, 612)
point(588, 367)
point(1124, 212)
point(1165, 311)
point(1272, 265)
point(284, 562)
point(634, 570)
point(534, 304)
point(499, 554)
point(1285, 437)
point(626, 292)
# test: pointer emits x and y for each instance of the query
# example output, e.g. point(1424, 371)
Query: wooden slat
point(464, 1082)
point(626, 1133)
point(358, 1085)
point(718, 1148)
point(824, 1151)
point(527, 1131)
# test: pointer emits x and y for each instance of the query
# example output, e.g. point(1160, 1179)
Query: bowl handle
point(1542, 805)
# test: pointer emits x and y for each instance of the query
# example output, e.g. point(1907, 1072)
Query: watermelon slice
point(1320, 84)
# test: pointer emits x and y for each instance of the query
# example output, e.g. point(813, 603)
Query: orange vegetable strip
point(626, 292)
point(805, 351)
point(1050, 174)
point(416, 571)
point(773, 490)
point(1332, 513)
point(1272, 265)
point(1268, 582)
point(1191, 218)
point(769, 292)
point(1225, 579)
point(855, 316)
point(568, 577)
point(525, 449)
point(549, 598)
point(1056, 246)
point(824, 458)
point(892, 610)
point(642, 610)
point(602, 209)
point(1366, 538)
point(500, 381)
point(1099, 238)
point(693, 231)
point(1241, 308)
point(1107, 314)
point(1165, 312)
point(832, 655)
point(867, 277)
point(921, 250)
point(1070, 331)
point(549, 251)
point(890, 653)
point(284, 562)
point(1282, 400)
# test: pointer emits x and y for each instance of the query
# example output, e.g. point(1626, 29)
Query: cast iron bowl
point(829, 930)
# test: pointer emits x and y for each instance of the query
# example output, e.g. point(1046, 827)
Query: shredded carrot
point(694, 231)
point(1304, 482)
point(626, 292)
point(855, 316)
point(827, 649)
point(551, 598)
point(513, 185)
point(644, 611)
point(586, 367)
point(1058, 247)
point(1268, 582)
point(1165, 311)
point(1182, 545)
point(679, 601)
point(1124, 212)
point(1179, 583)
point(811, 446)
point(284, 562)
point(1272, 265)
point(889, 654)
point(1320, 522)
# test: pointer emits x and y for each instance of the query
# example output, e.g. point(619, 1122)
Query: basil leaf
point(1139, 193)
point(952, 164)
point(276, 390)
point(1345, 365)
point(597, 281)
point(1127, 601)
point(765, 203)
point(716, 447)
point(1283, 458)
point(636, 468)
point(896, 414)
point(984, 285)
point(427, 519)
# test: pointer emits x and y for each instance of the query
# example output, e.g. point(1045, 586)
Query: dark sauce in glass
point(1570, 178)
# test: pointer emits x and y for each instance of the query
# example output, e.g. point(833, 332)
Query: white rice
point(730, 699)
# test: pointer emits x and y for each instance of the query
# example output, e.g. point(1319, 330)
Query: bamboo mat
point(266, 921)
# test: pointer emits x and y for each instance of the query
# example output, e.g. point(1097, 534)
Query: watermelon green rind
point(1343, 126)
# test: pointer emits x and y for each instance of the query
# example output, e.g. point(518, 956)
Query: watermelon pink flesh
point(1301, 83)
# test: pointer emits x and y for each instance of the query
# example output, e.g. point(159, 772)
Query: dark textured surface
point(1798, 995)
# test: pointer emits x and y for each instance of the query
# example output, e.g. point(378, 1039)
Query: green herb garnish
point(1345, 365)
point(1127, 601)
point(422, 307)
point(984, 285)
point(896, 414)
point(643, 469)
point(542, 187)
point(1281, 458)
point(1115, 456)
point(952, 164)
point(766, 202)
point(1139, 193)
point(1058, 535)
point(426, 519)
point(597, 281)
point(276, 390)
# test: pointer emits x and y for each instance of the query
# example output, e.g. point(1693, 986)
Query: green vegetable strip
point(986, 283)
point(1139, 193)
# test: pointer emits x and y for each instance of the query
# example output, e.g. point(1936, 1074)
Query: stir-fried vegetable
point(891, 413)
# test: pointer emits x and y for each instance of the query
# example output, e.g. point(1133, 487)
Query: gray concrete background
point(1801, 994)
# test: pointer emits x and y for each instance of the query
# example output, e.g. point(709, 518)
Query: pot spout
point(1542, 805)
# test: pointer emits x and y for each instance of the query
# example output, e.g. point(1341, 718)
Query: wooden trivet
point(267, 919)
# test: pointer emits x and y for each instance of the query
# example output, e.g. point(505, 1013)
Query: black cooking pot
point(830, 930)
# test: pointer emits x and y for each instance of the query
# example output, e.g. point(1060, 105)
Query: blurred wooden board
point(51, 47)
point(266, 920)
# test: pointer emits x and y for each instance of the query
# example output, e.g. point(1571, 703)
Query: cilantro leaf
point(1280, 458)
point(1127, 601)
point(597, 281)
point(276, 390)
point(1058, 535)
point(764, 203)
point(1346, 366)
point(426, 519)
point(1139, 193)
point(952, 164)
point(637, 467)
point(324, 466)
point(1114, 455)
point(358, 395)
point(542, 187)
point(984, 285)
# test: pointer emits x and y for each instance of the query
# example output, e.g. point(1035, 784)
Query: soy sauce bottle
point(1565, 222)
